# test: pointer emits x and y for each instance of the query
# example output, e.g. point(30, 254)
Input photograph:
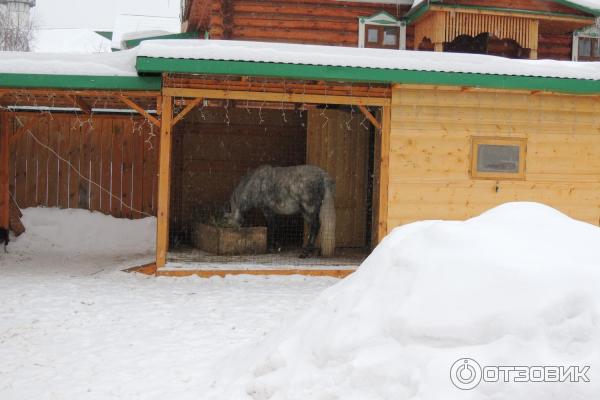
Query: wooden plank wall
point(340, 145)
point(430, 153)
point(213, 148)
point(117, 153)
point(293, 21)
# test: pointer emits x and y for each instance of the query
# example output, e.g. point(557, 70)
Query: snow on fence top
point(101, 64)
point(408, 60)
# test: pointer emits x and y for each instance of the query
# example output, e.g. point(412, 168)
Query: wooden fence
point(98, 162)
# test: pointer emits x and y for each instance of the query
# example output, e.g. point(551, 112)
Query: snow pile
point(53, 234)
point(516, 286)
point(409, 60)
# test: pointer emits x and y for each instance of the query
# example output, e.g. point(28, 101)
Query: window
point(382, 36)
point(381, 30)
point(588, 49)
point(586, 44)
point(498, 158)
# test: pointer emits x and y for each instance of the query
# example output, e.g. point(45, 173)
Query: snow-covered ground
point(516, 286)
point(73, 326)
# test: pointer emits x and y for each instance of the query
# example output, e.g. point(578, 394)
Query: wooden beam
point(4, 165)
point(208, 273)
point(384, 172)
point(146, 269)
point(164, 183)
point(140, 110)
point(276, 97)
point(84, 93)
point(189, 107)
point(515, 14)
point(451, 88)
point(85, 107)
point(159, 105)
point(370, 117)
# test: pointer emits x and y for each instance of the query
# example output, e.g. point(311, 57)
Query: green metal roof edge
point(184, 35)
point(105, 34)
point(373, 75)
point(593, 11)
point(415, 13)
point(80, 82)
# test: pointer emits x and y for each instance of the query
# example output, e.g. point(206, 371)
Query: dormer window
point(387, 37)
point(383, 31)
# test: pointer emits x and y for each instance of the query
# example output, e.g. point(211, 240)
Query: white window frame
point(590, 32)
point(382, 18)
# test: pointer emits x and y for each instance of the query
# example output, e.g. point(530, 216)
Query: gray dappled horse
point(304, 189)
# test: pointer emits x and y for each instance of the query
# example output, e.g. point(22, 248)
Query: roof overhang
point(46, 81)
point(436, 5)
point(374, 75)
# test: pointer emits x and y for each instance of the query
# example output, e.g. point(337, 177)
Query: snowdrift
point(73, 233)
point(515, 286)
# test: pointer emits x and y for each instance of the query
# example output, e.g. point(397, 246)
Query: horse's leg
point(272, 242)
point(314, 226)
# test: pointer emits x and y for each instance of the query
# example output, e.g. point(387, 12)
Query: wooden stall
point(238, 124)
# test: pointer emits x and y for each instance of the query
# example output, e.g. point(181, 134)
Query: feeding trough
point(225, 240)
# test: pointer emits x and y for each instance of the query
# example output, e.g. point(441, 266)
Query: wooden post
point(533, 39)
point(164, 182)
point(4, 163)
point(384, 172)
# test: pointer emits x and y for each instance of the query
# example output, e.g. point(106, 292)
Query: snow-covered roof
point(129, 68)
point(128, 27)
point(99, 64)
point(365, 58)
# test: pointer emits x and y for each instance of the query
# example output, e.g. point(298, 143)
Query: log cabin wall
point(336, 23)
point(214, 147)
point(555, 46)
point(293, 21)
point(430, 153)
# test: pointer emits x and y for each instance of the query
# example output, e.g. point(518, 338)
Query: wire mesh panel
point(216, 146)
point(213, 149)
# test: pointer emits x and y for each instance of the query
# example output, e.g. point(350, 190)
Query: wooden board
point(338, 143)
point(164, 187)
point(4, 169)
point(430, 154)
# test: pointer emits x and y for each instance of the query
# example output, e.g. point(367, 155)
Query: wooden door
point(338, 143)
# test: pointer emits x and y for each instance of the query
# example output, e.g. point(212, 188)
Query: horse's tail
point(327, 219)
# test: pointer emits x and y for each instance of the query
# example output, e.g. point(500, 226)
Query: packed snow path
point(73, 326)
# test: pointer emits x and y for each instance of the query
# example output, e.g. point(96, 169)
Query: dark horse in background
point(304, 189)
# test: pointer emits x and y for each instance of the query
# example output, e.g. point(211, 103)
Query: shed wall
point(430, 153)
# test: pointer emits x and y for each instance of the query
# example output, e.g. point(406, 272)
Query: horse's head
point(232, 215)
